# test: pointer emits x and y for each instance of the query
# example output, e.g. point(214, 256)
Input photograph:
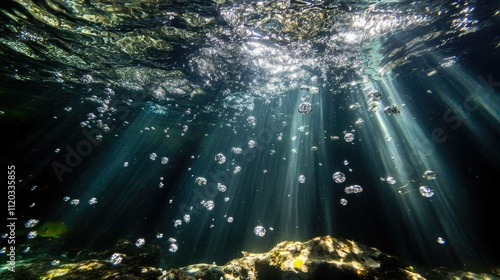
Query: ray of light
point(406, 157)
point(472, 101)
point(115, 176)
point(266, 191)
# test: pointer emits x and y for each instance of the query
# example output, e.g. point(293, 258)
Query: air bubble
point(260, 231)
point(305, 108)
point(426, 191)
point(349, 137)
point(338, 177)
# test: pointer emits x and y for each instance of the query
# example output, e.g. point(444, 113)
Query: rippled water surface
point(212, 127)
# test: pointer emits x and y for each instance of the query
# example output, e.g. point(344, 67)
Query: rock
point(319, 258)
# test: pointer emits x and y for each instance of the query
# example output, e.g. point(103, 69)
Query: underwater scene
point(289, 139)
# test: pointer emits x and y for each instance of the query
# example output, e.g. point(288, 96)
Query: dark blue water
point(441, 72)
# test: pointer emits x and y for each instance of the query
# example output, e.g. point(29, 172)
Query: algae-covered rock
point(319, 258)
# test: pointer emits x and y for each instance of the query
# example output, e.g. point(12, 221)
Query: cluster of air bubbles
point(92, 201)
point(305, 108)
point(153, 156)
point(68, 109)
point(172, 248)
point(391, 110)
point(374, 97)
point(359, 122)
point(140, 242)
point(187, 218)
point(84, 124)
point(74, 202)
point(338, 177)
point(220, 158)
point(91, 116)
point(260, 231)
point(109, 91)
point(346, 162)
point(302, 179)
point(31, 223)
point(87, 79)
point(236, 150)
point(201, 181)
point(343, 201)
point(164, 160)
point(441, 240)
point(116, 258)
point(425, 191)
point(55, 263)
point(31, 235)
point(159, 235)
point(237, 169)
point(251, 120)
point(390, 180)
point(125, 164)
point(66, 198)
point(305, 98)
point(221, 187)
point(209, 205)
point(177, 223)
point(429, 175)
point(251, 144)
point(388, 138)
point(184, 129)
point(353, 189)
point(302, 128)
point(354, 106)
point(349, 137)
